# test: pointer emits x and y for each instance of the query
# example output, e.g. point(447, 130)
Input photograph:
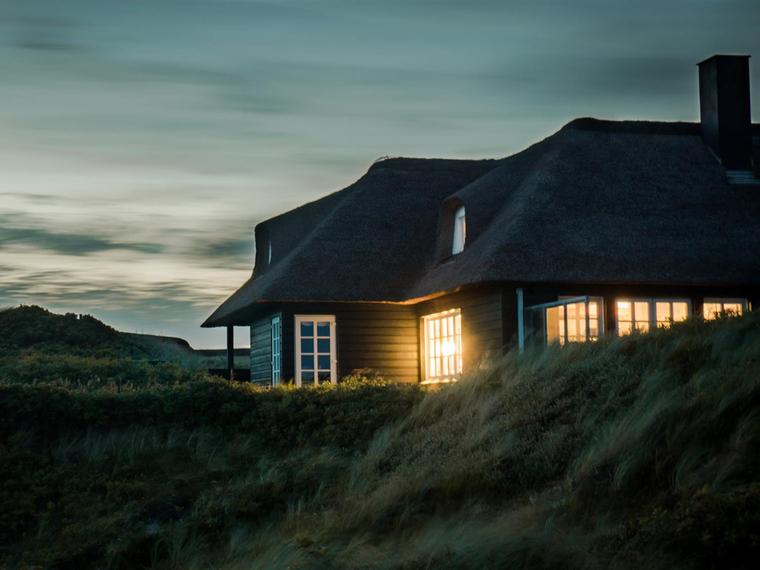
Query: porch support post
point(520, 324)
point(231, 351)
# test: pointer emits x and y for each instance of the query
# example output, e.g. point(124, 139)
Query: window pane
point(307, 345)
point(552, 325)
point(711, 310)
point(307, 378)
point(680, 311)
point(323, 345)
point(624, 311)
point(323, 329)
point(323, 362)
point(732, 308)
point(324, 377)
point(307, 362)
point(307, 329)
point(593, 320)
point(624, 328)
point(663, 314)
point(641, 311)
point(642, 326)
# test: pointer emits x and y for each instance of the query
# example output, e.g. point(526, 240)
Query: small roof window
point(460, 232)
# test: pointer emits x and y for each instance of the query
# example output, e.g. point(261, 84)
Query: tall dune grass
point(625, 453)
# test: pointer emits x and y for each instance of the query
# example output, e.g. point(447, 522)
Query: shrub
point(625, 453)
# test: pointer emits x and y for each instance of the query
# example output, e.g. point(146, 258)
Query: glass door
point(316, 360)
point(276, 350)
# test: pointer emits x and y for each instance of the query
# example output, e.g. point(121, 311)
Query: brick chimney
point(724, 106)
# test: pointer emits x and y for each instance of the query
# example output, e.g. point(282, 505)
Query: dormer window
point(459, 232)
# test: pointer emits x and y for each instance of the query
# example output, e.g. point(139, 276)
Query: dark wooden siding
point(261, 349)
point(482, 332)
point(382, 337)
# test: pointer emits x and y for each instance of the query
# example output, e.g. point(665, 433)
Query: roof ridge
point(633, 126)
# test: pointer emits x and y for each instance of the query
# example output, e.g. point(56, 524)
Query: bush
point(345, 415)
point(94, 374)
point(624, 453)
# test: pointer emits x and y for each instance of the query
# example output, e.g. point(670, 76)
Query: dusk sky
point(141, 141)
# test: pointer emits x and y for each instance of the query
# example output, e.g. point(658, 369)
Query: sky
point(142, 140)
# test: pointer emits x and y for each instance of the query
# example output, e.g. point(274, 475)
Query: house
point(424, 267)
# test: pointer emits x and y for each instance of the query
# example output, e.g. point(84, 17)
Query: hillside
point(626, 453)
point(81, 352)
point(34, 328)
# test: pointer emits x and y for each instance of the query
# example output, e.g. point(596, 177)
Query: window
point(316, 361)
point(276, 350)
point(459, 232)
point(443, 346)
point(643, 314)
point(713, 308)
point(575, 319)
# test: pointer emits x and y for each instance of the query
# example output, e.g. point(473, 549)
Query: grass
point(625, 453)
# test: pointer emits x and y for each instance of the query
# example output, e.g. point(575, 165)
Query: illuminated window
point(713, 308)
point(276, 350)
point(572, 320)
point(643, 314)
point(443, 346)
point(316, 361)
point(668, 312)
point(459, 232)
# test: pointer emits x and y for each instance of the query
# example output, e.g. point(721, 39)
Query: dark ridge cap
point(413, 163)
point(633, 127)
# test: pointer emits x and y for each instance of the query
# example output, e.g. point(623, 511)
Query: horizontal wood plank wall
point(261, 350)
point(378, 336)
point(482, 328)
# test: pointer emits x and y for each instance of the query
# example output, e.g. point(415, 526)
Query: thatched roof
point(599, 201)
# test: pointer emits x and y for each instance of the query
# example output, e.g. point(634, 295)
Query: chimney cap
point(724, 56)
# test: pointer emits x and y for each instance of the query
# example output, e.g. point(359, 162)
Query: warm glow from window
point(460, 232)
point(443, 346)
point(713, 308)
point(568, 323)
point(643, 314)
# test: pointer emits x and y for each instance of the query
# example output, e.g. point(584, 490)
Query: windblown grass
point(626, 453)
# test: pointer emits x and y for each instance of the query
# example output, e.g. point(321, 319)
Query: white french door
point(316, 355)
point(276, 350)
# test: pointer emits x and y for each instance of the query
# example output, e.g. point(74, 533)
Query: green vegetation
point(626, 453)
point(81, 352)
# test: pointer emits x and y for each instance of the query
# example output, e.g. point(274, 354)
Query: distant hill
point(30, 327)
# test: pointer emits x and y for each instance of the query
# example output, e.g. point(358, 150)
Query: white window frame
point(563, 302)
point(460, 231)
point(442, 379)
point(722, 301)
point(653, 324)
point(276, 337)
point(333, 346)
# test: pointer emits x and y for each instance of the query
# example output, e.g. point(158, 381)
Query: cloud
point(226, 250)
point(66, 243)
